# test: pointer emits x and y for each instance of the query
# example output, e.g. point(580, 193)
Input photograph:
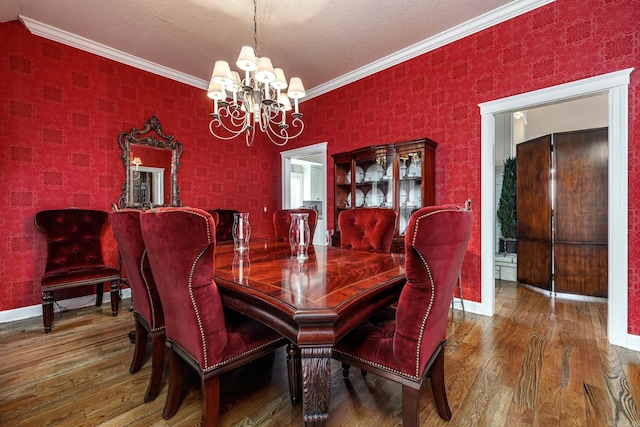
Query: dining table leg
point(294, 369)
point(316, 385)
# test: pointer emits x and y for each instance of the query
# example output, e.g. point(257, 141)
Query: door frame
point(617, 86)
point(286, 156)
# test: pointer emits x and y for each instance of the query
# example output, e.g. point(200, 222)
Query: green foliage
point(507, 206)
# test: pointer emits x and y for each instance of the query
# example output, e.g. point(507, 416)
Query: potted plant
point(507, 208)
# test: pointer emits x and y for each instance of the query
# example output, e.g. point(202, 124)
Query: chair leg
point(345, 370)
point(210, 401)
point(410, 407)
point(460, 290)
point(47, 310)
point(294, 368)
point(99, 292)
point(115, 296)
point(140, 347)
point(438, 387)
point(176, 377)
point(157, 367)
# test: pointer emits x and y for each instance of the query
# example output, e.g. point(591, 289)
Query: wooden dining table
point(313, 303)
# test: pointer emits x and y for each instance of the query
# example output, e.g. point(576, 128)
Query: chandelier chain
point(255, 26)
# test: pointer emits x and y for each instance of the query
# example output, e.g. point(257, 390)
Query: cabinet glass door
point(410, 194)
point(374, 182)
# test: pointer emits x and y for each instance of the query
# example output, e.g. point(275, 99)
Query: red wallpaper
point(62, 109)
point(437, 95)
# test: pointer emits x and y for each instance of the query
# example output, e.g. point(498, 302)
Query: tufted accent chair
point(282, 222)
point(147, 310)
point(406, 344)
point(224, 223)
point(200, 333)
point(367, 229)
point(74, 256)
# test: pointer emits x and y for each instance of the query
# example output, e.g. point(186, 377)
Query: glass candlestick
point(241, 231)
point(299, 236)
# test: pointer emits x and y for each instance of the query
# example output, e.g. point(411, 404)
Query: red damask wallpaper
point(437, 95)
point(62, 109)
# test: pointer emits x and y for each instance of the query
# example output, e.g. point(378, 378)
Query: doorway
point(616, 84)
point(304, 183)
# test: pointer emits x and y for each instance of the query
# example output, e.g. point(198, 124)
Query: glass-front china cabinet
point(399, 176)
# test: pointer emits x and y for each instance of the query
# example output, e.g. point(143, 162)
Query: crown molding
point(482, 22)
point(489, 19)
point(47, 31)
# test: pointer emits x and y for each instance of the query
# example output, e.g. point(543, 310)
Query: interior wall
point(584, 113)
point(61, 110)
point(436, 95)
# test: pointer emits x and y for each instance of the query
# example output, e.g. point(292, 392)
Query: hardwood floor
point(539, 361)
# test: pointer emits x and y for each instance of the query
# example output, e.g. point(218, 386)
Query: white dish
point(389, 172)
point(415, 195)
point(359, 198)
point(414, 169)
point(347, 178)
point(403, 197)
point(374, 173)
point(403, 224)
point(374, 198)
point(359, 174)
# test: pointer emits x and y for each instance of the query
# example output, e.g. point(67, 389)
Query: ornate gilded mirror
point(151, 161)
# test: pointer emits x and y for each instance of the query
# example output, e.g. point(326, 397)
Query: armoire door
point(533, 207)
point(581, 212)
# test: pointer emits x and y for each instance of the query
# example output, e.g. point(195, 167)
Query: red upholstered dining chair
point(406, 344)
point(367, 229)
point(224, 223)
point(147, 310)
point(200, 332)
point(74, 256)
point(282, 222)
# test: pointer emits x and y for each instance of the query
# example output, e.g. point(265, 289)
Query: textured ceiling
point(318, 40)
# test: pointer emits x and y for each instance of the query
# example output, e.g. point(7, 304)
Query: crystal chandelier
point(256, 102)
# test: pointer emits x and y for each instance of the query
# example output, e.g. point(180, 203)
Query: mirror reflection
point(151, 160)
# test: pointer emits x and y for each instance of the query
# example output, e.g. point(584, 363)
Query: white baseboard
point(633, 342)
point(66, 304)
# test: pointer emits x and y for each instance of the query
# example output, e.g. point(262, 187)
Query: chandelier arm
point(237, 118)
point(218, 124)
point(249, 136)
point(283, 132)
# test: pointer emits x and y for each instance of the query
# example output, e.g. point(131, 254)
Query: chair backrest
point(436, 242)
point(146, 301)
point(367, 229)
point(282, 222)
point(224, 223)
point(74, 237)
point(180, 244)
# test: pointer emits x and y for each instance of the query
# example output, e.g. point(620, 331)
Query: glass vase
point(241, 231)
point(299, 236)
point(241, 267)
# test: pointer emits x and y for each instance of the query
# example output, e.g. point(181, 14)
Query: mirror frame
point(146, 138)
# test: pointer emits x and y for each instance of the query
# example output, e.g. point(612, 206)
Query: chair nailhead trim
point(379, 366)
point(148, 289)
point(193, 301)
point(433, 290)
point(226, 361)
